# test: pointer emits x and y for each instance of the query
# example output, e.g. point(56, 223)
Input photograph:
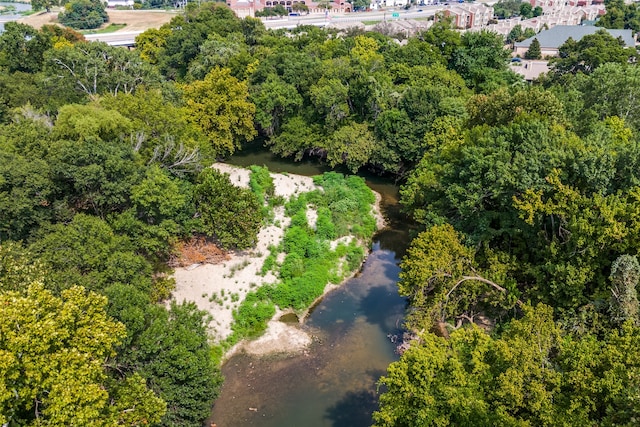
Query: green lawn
point(109, 29)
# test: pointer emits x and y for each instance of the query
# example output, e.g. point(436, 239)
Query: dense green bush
point(232, 214)
point(310, 263)
point(84, 14)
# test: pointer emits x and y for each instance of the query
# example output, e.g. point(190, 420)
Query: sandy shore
point(219, 288)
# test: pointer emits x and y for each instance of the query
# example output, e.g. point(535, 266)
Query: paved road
point(128, 38)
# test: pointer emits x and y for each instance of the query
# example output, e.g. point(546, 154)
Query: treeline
point(100, 175)
point(523, 275)
point(524, 198)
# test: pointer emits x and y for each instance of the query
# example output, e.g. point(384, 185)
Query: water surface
point(19, 7)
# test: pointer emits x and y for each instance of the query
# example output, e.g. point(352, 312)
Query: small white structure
point(119, 3)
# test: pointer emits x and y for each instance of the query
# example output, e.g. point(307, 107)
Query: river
point(19, 7)
point(334, 382)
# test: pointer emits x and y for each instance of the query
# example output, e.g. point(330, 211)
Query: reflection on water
point(333, 384)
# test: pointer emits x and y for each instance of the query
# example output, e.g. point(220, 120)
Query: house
point(551, 40)
point(468, 15)
point(530, 69)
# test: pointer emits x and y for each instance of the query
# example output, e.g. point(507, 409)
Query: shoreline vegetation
point(316, 236)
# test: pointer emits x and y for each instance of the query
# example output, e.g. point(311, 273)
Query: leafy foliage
point(530, 374)
point(219, 106)
point(234, 221)
point(51, 347)
point(590, 52)
point(84, 14)
point(534, 50)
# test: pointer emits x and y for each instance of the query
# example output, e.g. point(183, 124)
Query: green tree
point(611, 90)
point(505, 9)
point(93, 175)
point(173, 354)
point(526, 10)
point(443, 37)
point(473, 379)
point(53, 353)
point(95, 68)
point(87, 252)
point(189, 32)
point(18, 268)
point(219, 105)
point(163, 135)
point(503, 107)
point(84, 14)
point(351, 145)
point(22, 48)
point(299, 7)
point(529, 373)
point(275, 100)
point(330, 98)
point(157, 197)
point(534, 50)
point(590, 52)
point(625, 274)
point(620, 15)
point(26, 195)
point(297, 136)
point(481, 59)
point(44, 4)
point(151, 43)
point(217, 51)
point(440, 278)
point(234, 221)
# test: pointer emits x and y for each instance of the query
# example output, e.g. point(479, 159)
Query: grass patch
point(371, 22)
point(108, 29)
point(261, 184)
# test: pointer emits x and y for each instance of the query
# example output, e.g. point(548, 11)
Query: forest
point(521, 276)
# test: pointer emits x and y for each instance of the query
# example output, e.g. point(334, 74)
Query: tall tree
point(234, 221)
point(53, 355)
point(22, 48)
point(84, 14)
point(534, 50)
point(590, 52)
point(96, 68)
point(219, 105)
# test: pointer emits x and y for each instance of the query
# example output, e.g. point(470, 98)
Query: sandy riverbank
point(219, 288)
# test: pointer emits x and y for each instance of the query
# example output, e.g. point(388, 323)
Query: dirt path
point(136, 20)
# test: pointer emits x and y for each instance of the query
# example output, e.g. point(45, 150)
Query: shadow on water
point(355, 408)
point(378, 311)
point(394, 240)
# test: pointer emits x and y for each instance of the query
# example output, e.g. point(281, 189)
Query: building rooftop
point(556, 36)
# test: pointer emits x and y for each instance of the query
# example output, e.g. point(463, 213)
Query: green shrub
point(251, 317)
point(309, 265)
point(84, 14)
point(234, 221)
point(324, 225)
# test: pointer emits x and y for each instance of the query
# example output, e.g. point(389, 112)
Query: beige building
point(468, 15)
point(551, 40)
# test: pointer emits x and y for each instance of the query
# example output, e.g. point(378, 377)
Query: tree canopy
point(523, 201)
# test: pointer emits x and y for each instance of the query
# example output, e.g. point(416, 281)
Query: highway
point(128, 38)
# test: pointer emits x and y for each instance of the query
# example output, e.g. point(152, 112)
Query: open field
point(135, 20)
